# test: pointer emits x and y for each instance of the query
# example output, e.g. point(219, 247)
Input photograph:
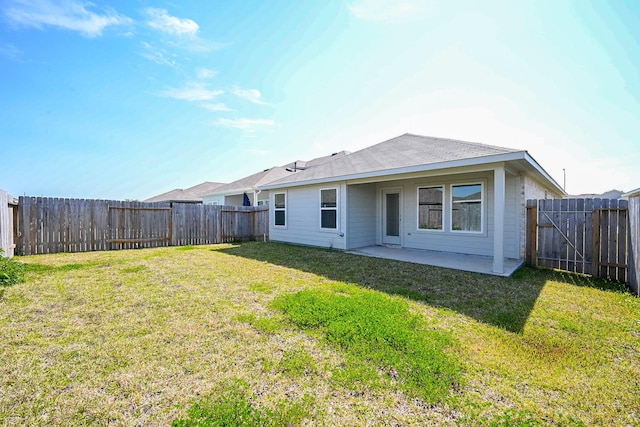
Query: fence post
point(634, 244)
point(531, 236)
point(595, 249)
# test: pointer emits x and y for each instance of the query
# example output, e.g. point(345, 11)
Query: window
point(430, 200)
point(329, 208)
point(280, 209)
point(466, 207)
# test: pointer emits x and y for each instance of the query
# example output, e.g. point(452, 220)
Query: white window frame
point(336, 209)
point(482, 207)
point(444, 208)
point(277, 209)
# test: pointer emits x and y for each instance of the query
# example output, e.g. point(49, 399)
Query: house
point(188, 195)
point(414, 192)
point(611, 194)
point(233, 194)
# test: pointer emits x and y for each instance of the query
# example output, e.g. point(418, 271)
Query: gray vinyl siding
point(445, 240)
point(361, 215)
point(360, 209)
point(234, 200)
point(303, 218)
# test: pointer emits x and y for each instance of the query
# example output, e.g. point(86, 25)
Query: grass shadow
point(499, 301)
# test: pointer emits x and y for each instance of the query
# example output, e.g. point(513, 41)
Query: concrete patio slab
point(473, 263)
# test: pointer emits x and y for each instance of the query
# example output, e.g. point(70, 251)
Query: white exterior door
point(391, 216)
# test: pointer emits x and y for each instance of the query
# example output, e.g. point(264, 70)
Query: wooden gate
point(588, 236)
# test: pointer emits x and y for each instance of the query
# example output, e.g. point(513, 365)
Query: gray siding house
point(414, 192)
point(232, 194)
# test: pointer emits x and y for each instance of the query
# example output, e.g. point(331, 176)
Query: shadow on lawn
point(499, 301)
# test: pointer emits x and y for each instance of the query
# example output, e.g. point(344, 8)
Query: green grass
point(233, 406)
point(11, 271)
point(379, 330)
point(301, 336)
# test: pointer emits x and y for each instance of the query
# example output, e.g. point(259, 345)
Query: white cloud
point(386, 10)
point(66, 14)
point(245, 124)
point(205, 73)
point(192, 92)
point(252, 95)
point(161, 20)
point(215, 106)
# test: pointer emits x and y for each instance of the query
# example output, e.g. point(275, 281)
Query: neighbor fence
point(51, 225)
point(597, 237)
point(7, 214)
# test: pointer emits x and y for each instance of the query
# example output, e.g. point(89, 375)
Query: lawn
point(278, 334)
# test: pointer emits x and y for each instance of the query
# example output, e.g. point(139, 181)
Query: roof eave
point(505, 157)
point(544, 173)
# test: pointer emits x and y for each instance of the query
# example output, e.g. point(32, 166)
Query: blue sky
point(129, 99)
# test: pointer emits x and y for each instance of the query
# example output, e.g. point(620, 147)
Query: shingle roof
point(191, 194)
point(253, 181)
point(401, 152)
point(275, 173)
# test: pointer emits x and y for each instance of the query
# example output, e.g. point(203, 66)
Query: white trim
point(273, 206)
point(444, 209)
point(483, 207)
point(499, 203)
point(383, 205)
point(336, 209)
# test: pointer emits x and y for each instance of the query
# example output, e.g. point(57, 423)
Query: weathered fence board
point(589, 236)
point(6, 224)
point(634, 245)
point(51, 225)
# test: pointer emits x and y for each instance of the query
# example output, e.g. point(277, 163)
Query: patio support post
point(498, 218)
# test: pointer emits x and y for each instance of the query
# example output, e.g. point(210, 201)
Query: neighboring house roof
point(267, 176)
point(611, 194)
point(252, 182)
point(188, 195)
point(411, 153)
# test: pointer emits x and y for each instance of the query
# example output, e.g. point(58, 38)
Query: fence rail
point(52, 225)
point(589, 236)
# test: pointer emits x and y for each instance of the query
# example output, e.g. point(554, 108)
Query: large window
point(430, 201)
point(329, 208)
point(280, 209)
point(466, 207)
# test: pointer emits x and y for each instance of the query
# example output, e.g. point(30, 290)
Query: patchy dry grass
point(151, 337)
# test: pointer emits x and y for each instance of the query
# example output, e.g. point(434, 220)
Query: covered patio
point(472, 263)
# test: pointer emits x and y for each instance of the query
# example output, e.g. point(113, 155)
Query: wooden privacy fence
point(51, 225)
point(589, 236)
point(7, 214)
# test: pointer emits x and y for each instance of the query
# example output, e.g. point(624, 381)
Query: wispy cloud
point(249, 125)
point(193, 91)
point(157, 54)
point(215, 107)
point(159, 19)
point(386, 10)
point(252, 95)
point(206, 73)
point(10, 51)
point(71, 15)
